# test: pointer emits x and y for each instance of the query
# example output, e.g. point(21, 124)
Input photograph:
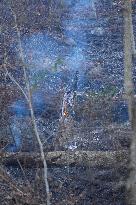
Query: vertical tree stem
point(31, 110)
point(129, 90)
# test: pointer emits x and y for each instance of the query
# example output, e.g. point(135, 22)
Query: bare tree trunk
point(132, 31)
point(133, 40)
point(129, 90)
point(94, 8)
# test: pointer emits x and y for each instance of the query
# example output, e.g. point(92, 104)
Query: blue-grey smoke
point(53, 64)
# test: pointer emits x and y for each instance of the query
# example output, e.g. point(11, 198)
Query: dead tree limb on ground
point(62, 158)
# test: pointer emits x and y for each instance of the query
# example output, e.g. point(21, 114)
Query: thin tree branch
point(4, 176)
point(16, 83)
point(10, 76)
point(31, 108)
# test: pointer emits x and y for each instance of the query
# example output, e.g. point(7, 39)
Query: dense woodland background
point(63, 102)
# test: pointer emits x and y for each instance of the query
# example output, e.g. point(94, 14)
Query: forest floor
point(69, 184)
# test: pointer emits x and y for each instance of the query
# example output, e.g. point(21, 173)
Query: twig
point(14, 80)
point(4, 176)
point(29, 100)
point(10, 76)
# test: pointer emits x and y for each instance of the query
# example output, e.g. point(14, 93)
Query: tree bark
point(64, 158)
point(129, 91)
point(132, 31)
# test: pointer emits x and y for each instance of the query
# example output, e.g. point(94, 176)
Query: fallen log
point(64, 158)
